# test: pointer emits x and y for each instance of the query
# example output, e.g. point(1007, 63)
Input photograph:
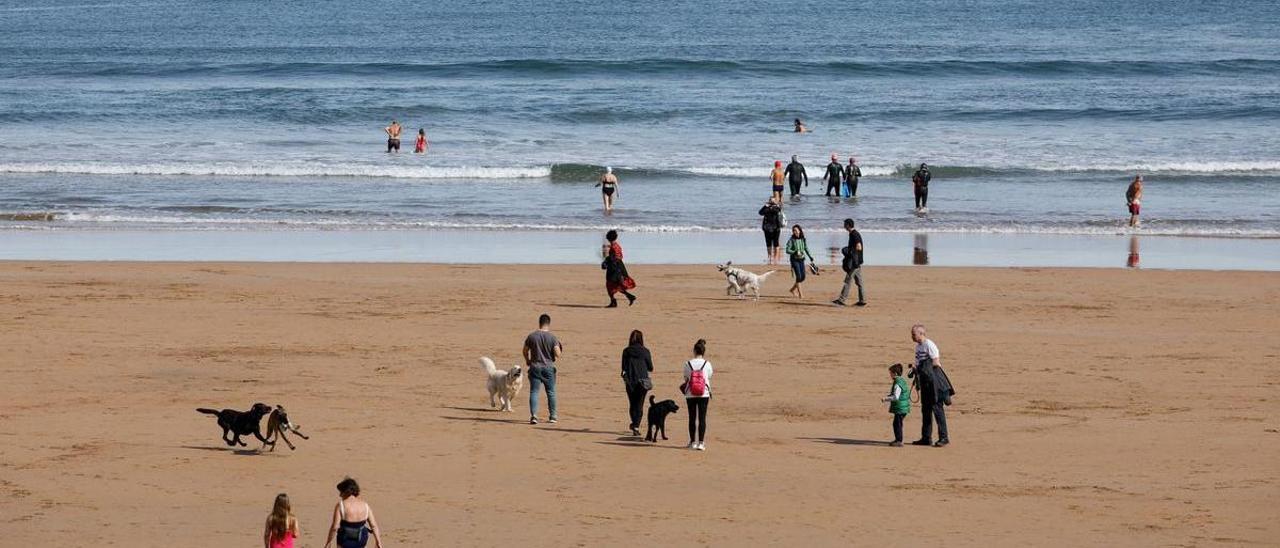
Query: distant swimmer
point(608, 188)
point(851, 175)
point(776, 177)
point(795, 175)
point(421, 146)
point(1133, 197)
point(800, 127)
point(834, 176)
point(920, 184)
point(393, 136)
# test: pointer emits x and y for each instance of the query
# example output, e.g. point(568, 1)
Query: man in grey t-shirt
point(541, 350)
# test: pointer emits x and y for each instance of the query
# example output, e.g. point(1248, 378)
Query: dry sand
point(1096, 407)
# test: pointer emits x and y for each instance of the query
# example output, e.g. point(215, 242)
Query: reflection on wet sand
point(920, 250)
point(1134, 259)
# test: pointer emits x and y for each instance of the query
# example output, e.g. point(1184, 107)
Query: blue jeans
point(542, 375)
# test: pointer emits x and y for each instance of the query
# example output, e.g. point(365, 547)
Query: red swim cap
point(777, 163)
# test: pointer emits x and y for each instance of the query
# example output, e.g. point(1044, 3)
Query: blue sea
point(267, 116)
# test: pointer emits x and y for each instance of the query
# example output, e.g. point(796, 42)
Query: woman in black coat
point(636, 365)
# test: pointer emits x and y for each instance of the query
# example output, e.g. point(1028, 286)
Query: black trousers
point(635, 396)
point(697, 418)
point(897, 427)
point(795, 188)
point(833, 187)
point(931, 410)
point(922, 197)
point(853, 187)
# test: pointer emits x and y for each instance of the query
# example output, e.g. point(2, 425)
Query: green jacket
point(902, 405)
point(797, 248)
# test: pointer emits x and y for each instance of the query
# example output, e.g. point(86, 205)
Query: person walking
point(795, 175)
point(776, 178)
point(920, 185)
point(353, 520)
point(798, 250)
point(852, 266)
point(834, 176)
point(771, 224)
point(934, 390)
point(282, 526)
point(697, 394)
point(541, 350)
point(899, 400)
point(616, 278)
point(609, 188)
point(1133, 197)
point(851, 175)
point(637, 363)
point(393, 136)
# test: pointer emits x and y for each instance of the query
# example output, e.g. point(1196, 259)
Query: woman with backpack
point(798, 250)
point(697, 394)
point(637, 363)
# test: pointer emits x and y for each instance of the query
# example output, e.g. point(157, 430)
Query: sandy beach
point(1095, 407)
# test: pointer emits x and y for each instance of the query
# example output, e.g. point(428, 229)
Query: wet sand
point(1096, 407)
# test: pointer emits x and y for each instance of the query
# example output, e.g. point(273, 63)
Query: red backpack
point(697, 381)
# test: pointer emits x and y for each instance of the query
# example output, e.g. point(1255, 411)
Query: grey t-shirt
point(542, 348)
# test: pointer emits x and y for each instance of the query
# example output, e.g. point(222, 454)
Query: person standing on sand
point(608, 187)
point(834, 176)
point(1133, 197)
point(697, 394)
point(852, 266)
point(899, 400)
point(795, 175)
point(933, 397)
point(777, 177)
point(851, 175)
point(920, 185)
point(393, 136)
point(771, 224)
point(282, 526)
point(798, 249)
point(637, 363)
point(616, 278)
point(353, 520)
point(420, 147)
point(541, 350)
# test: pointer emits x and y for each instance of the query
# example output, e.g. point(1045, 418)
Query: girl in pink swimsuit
point(282, 526)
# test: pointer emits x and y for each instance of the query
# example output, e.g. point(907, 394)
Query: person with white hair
point(609, 188)
point(934, 389)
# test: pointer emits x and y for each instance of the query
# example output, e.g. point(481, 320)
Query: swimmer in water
point(421, 146)
point(795, 175)
point(393, 136)
point(608, 188)
point(800, 127)
point(776, 177)
point(920, 185)
point(834, 176)
point(851, 175)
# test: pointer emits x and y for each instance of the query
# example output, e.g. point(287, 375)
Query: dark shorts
point(1135, 209)
point(771, 237)
point(778, 188)
point(393, 144)
point(608, 191)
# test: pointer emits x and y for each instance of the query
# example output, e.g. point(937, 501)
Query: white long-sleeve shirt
point(696, 363)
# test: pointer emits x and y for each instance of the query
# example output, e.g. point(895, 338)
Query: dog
point(240, 423)
point(741, 280)
point(277, 424)
point(658, 418)
point(503, 385)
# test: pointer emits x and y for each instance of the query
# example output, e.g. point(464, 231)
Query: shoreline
point(445, 246)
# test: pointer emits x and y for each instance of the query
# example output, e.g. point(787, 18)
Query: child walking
point(282, 526)
point(899, 400)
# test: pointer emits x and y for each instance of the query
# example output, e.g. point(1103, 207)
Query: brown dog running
point(277, 424)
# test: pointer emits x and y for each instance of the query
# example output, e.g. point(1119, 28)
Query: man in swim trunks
point(608, 187)
point(776, 177)
point(834, 175)
point(1133, 196)
point(393, 136)
point(795, 175)
point(851, 174)
point(920, 183)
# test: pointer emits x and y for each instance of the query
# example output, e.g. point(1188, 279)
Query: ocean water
point(238, 115)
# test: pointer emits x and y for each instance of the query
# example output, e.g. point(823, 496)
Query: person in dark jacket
point(771, 224)
point(852, 266)
point(834, 176)
point(616, 278)
point(920, 184)
point(795, 175)
point(637, 363)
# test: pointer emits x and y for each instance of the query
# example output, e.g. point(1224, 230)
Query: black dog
point(240, 423)
point(658, 418)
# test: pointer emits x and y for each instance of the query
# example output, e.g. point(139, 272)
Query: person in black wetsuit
point(920, 182)
point(834, 175)
point(795, 175)
point(851, 174)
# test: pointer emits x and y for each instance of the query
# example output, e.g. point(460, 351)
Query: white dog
point(503, 385)
point(741, 280)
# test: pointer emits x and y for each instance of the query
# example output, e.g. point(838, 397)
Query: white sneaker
point(702, 446)
point(692, 446)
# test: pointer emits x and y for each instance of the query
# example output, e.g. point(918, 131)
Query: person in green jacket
point(798, 250)
point(899, 400)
